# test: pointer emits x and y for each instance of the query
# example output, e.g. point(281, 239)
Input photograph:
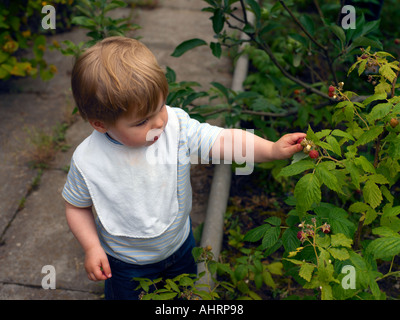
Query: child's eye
point(141, 123)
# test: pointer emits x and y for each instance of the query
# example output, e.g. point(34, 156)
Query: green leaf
point(364, 164)
point(340, 254)
point(379, 111)
point(386, 71)
point(186, 46)
point(378, 96)
point(289, 239)
point(218, 20)
point(372, 194)
point(172, 285)
point(334, 144)
point(296, 168)
point(369, 136)
point(306, 271)
point(340, 239)
point(257, 233)
point(384, 248)
point(339, 33)
point(307, 191)
point(340, 133)
point(270, 237)
point(328, 178)
point(391, 212)
point(83, 21)
point(216, 49)
point(255, 7)
point(275, 221)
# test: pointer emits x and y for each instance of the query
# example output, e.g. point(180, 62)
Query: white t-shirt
point(139, 236)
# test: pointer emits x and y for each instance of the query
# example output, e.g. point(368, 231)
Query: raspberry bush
point(349, 190)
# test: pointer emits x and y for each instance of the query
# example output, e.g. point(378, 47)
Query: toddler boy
point(134, 169)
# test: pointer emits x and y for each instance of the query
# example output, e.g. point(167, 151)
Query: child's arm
point(234, 142)
point(82, 225)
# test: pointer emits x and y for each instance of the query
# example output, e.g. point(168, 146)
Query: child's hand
point(287, 145)
point(96, 264)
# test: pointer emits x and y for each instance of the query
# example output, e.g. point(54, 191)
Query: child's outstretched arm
point(82, 225)
point(234, 142)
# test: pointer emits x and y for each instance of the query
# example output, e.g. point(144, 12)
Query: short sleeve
point(75, 189)
point(200, 137)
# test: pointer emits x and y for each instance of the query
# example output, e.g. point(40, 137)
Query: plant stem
point(357, 236)
point(322, 47)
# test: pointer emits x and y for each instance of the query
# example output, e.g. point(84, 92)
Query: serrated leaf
point(289, 239)
point(386, 71)
point(328, 178)
point(334, 144)
point(340, 240)
point(385, 247)
point(372, 194)
point(340, 133)
point(339, 253)
point(257, 233)
point(364, 164)
point(379, 111)
point(270, 237)
point(391, 212)
point(385, 232)
point(307, 191)
point(296, 168)
point(306, 271)
point(378, 96)
point(359, 207)
point(275, 221)
point(369, 136)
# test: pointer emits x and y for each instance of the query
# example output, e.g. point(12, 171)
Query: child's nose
point(158, 122)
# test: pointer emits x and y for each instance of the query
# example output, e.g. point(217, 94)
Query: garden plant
point(340, 236)
point(335, 228)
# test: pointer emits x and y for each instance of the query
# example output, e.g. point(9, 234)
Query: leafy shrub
point(20, 30)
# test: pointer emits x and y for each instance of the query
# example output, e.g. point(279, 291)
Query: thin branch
point(301, 26)
point(324, 48)
point(271, 55)
point(244, 12)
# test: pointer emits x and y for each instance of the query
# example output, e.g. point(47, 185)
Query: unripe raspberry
point(394, 122)
point(313, 154)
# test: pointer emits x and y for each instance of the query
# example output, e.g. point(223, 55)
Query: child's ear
point(98, 125)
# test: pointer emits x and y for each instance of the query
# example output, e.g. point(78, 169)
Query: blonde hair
point(116, 76)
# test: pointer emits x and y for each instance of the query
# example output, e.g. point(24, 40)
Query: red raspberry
point(301, 235)
point(326, 228)
point(313, 154)
point(299, 140)
point(331, 89)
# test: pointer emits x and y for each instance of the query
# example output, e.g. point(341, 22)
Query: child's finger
point(106, 268)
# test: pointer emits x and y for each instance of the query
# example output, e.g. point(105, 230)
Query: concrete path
point(33, 229)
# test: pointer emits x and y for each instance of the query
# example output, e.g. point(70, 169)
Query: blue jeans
point(121, 286)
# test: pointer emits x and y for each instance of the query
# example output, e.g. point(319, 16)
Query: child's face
point(134, 132)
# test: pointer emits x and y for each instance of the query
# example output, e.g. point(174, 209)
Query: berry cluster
point(309, 230)
point(335, 92)
point(309, 148)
